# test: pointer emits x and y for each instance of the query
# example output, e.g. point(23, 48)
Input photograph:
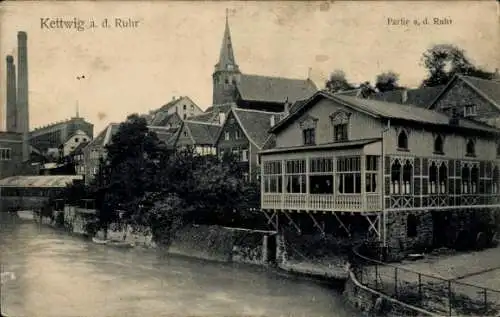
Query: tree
point(132, 158)
point(337, 82)
point(366, 89)
point(443, 61)
point(387, 81)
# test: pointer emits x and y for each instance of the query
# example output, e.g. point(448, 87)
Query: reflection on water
point(57, 275)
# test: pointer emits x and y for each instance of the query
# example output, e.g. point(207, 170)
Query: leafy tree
point(387, 81)
point(337, 82)
point(132, 158)
point(443, 61)
point(366, 89)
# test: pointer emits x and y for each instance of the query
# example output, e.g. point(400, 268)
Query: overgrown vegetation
point(147, 186)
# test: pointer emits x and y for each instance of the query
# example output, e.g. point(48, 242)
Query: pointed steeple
point(227, 61)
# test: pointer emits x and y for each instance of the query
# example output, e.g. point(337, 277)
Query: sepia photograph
point(249, 158)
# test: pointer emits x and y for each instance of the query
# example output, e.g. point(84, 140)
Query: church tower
point(227, 73)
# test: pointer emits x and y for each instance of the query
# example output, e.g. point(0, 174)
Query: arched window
point(411, 226)
point(407, 178)
point(403, 140)
point(438, 145)
point(470, 148)
point(433, 178)
point(443, 177)
point(395, 177)
point(474, 180)
point(465, 180)
point(496, 180)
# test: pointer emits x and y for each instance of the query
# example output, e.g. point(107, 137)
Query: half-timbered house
point(408, 176)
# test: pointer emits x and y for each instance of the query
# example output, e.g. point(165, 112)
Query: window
point(438, 145)
point(349, 175)
point(184, 116)
point(340, 132)
point(185, 133)
point(84, 139)
point(411, 226)
point(371, 173)
point(295, 177)
point(321, 176)
point(226, 135)
point(5, 154)
point(470, 178)
point(438, 175)
point(272, 180)
point(470, 111)
point(401, 177)
point(76, 139)
point(309, 136)
point(237, 134)
point(244, 155)
point(236, 153)
point(496, 180)
point(470, 148)
point(403, 140)
point(340, 122)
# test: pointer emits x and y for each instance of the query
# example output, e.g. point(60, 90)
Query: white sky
point(175, 47)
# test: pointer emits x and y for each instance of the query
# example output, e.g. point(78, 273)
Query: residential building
point(77, 158)
point(470, 97)
point(404, 176)
point(183, 106)
point(200, 136)
point(74, 141)
point(257, 92)
point(244, 134)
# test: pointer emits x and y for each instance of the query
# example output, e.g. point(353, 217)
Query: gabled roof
point(104, 137)
point(488, 89)
point(255, 124)
point(161, 118)
point(420, 97)
point(79, 148)
point(381, 109)
point(164, 134)
point(211, 115)
point(202, 132)
point(274, 89)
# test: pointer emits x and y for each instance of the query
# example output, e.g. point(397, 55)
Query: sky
point(173, 49)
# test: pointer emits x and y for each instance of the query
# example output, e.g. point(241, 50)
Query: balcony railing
point(321, 202)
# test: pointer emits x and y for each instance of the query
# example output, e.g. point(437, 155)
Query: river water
point(57, 275)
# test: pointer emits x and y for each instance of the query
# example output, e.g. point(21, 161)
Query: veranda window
point(273, 182)
point(295, 176)
point(348, 175)
point(401, 177)
point(321, 176)
point(470, 179)
point(438, 175)
point(371, 173)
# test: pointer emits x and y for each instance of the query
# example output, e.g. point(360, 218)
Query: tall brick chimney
point(22, 91)
point(11, 109)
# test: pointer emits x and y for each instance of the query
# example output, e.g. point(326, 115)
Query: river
point(58, 275)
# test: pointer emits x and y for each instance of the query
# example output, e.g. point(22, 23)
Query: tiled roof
point(389, 110)
point(420, 97)
point(202, 132)
point(331, 145)
point(274, 89)
point(490, 88)
point(39, 181)
point(211, 115)
point(255, 124)
point(163, 134)
point(351, 92)
point(160, 118)
point(79, 148)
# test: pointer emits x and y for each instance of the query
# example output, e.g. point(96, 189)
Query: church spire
point(226, 57)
